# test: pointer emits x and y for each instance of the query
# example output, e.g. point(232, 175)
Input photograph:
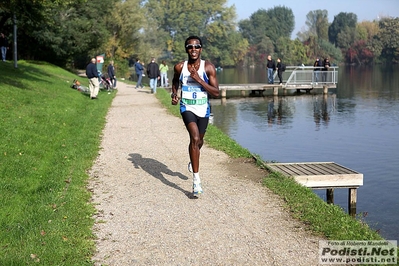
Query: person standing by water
point(111, 73)
point(3, 46)
point(317, 67)
point(198, 80)
point(163, 68)
point(326, 67)
point(153, 75)
point(92, 75)
point(271, 67)
point(138, 67)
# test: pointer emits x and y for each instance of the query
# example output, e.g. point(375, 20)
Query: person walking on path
point(153, 75)
point(111, 73)
point(197, 79)
point(92, 75)
point(271, 67)
point(138, 66)
point(3, 46)
point(163, 68)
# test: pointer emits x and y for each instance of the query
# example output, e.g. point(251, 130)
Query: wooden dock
point(324, 175)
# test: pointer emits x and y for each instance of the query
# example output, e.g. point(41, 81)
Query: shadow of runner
point(156, 169)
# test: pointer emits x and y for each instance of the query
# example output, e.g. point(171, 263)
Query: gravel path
point(146, 216)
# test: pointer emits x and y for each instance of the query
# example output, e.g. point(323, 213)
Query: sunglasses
point(192, 46)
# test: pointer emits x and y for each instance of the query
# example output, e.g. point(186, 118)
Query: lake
point(355, 125)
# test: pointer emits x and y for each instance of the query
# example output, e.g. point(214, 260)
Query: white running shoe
point(197, 189)
point(190, 167)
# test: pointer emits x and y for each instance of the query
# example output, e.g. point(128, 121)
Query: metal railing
point(308, 76)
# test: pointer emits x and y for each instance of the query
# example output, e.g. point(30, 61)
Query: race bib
point(194, 97)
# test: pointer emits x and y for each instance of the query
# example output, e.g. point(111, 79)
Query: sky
point(364, 9)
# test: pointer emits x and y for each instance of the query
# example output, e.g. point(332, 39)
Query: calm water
point(356, 125)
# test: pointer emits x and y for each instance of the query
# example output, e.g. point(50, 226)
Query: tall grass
point(49, 137)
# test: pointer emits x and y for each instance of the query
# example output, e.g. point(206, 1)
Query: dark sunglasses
point(192, 46)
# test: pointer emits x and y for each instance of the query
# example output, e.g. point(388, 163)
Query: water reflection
point(322, 107)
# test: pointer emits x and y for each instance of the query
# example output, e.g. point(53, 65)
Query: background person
point(153, 75)
point(198, 80)
point(317, 67)
point(163, 68)
point(138, 67)
point(326, 67)
point(271, 67)
point(111, 73)
point(3, 46)
point(92, 75)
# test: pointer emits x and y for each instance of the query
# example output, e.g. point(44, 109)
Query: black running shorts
point(202, 122)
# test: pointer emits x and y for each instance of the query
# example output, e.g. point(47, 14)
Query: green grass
point(324, 219)
point(49, 138)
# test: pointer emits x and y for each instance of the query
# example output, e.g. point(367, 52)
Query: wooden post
point(223, 93)
point(242, 93)
point(223, 100)
point(330, 195)
point(352, 194)
point(325, 89)
point(275, 90)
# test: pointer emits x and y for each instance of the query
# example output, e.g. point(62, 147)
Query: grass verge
point(324, 219)
point(49, 137)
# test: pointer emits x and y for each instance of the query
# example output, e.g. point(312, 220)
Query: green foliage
point(340, 22)
point(330, 51)
point(49, 138)
point(388, 36)
point(274, 23)
point(317, 22)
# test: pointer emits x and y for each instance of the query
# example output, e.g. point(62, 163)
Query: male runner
point(197, 79)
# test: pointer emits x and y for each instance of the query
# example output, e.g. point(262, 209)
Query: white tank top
point(194, 97)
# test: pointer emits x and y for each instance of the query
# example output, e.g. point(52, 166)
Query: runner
point(197, 79)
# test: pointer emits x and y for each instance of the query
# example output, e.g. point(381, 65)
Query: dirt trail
point(145, 214)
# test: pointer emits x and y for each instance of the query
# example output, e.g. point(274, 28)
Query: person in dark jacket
point(138, 66)
point(326, 67)
point(111, 73)
point(280, 70)
point(153, 74)
point(271, 67)
point(317, 67)
point(92, 75)
point(3, 46)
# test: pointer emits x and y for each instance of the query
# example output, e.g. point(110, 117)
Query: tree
point(317, 23)
point(341, 22)
point(359, 53)
point(124, 25)
point(208, 19)
point(273, 23)
point(388, 36)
